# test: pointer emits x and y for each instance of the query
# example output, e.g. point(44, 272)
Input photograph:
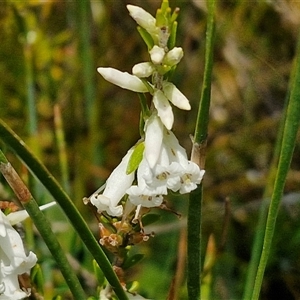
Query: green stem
point(40, 171)
point(288, 143)
point(263, 213)
point(62, 149)
point(195, 202)
point(194, 244)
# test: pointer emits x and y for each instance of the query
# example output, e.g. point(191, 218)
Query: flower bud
point(175, 96)
point(164, 109)
point(157, 54)
point(173, 57)
point(123, 80)
point(143, 70)
point(143, 18)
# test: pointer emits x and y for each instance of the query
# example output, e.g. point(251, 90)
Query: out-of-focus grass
point(255, 44)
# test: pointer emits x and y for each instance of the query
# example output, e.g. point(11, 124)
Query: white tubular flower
point(153, 139)
point(164, 109)
point(159, 176)
point(143, 70)
point(144, 19)
point(13, 261)
point(157, 54)
point(192, 176)
point(186, 173)
point(173, 57)
point(116, 185)
point(141, 194)
point(175, 96)
point(123, 79)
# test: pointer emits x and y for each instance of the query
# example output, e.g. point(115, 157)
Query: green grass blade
point(288, 143)
point(195, 201)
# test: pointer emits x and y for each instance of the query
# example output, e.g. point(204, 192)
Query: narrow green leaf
point(136, 158)
point(291, 127)
point(146, 37)
point(37, 278)
point(99, 274)
point(195, 201)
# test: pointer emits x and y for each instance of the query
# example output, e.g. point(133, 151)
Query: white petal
point(175, 96)
point(153, 139)
point(157, 54)
point(164, 109)
point(12, 290)
point(143, 70)
point(116, 185)
point(144, 197)
point(21, 215)
point(174, 56)
point(151, 181)
point(2, 225)
point(176, 152)
point(192, 177)
point(13, 247)
point(123, 79)
point(143, 18)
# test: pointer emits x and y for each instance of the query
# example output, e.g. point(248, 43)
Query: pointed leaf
point(135, 158)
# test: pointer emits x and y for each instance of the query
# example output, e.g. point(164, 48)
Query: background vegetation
point(81, 126)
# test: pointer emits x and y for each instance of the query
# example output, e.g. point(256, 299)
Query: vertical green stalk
point(92, 104)
point(291, 126)
point(86, 57)
point(43, 226)
point(263, 213)
point(32, 127)
point(195, 203)
point(61, 145)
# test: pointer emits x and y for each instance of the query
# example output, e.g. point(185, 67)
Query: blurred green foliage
point(48, 56)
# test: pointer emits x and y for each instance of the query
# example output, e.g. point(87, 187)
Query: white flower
point(160, 174)
point(116, 186)
point(123, 79)
point(187, 174)
point(13, 261)
point(172, 170)
point(153, 139)
point(174, 56)
point(175, 96)
point(141, 194)
point(157, 54)
point(164, 109)
point(144, 19)
point(143, 70)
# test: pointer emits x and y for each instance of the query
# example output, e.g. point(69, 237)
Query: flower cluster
point(157, 163)
point(13, 260)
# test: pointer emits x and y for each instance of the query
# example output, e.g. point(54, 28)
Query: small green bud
point(174, 15)
point(164, 5)
point(160, 19)
point(173, 33)
point(37, 278)
point(99, 274)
